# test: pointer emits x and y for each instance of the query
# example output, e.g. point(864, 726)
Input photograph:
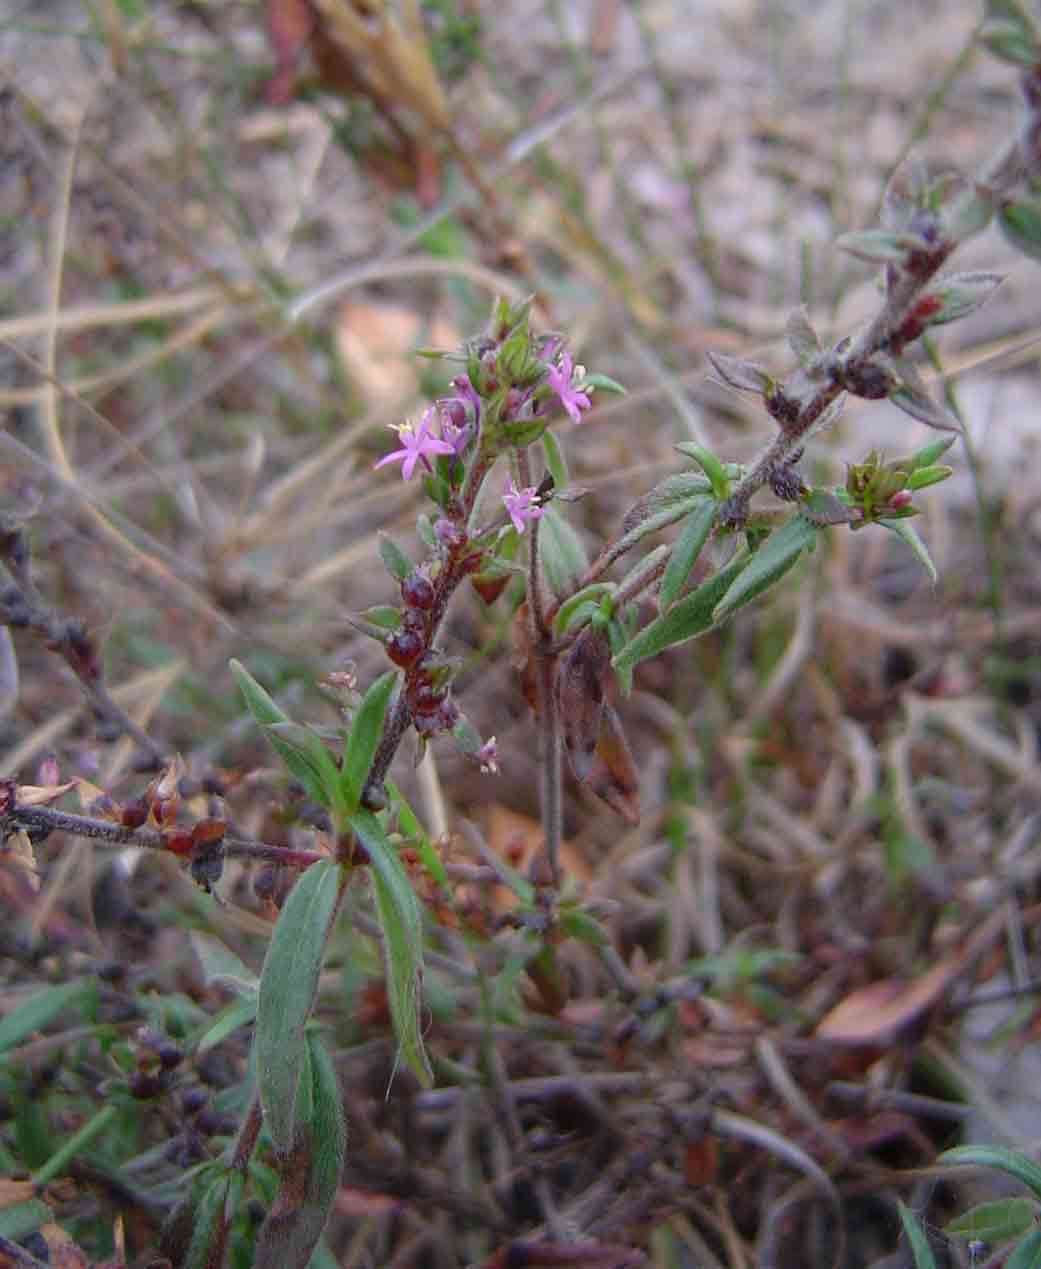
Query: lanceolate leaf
point(556, 463)
point(687, 619)
point(1021, 225)
point(366, 730)
point(916, 1238)
point(1000, 1158)
point(288, 984)
point(311, 1176)
point(908, 534)
point(994, 1222)
point(300, 750)
point(397, 563)
point(41, 1008)
point(562, 554)
point(676, 493)
point(688, 546)
point(210, 1227)
point(402, 924)
point(769, 564)
point(963, 294)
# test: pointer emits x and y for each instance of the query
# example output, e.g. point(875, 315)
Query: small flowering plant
point(494, 475)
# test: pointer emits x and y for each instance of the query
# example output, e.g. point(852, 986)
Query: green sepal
point(397, 563)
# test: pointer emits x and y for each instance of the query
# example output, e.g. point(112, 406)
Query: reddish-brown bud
point(417, 591)
point(133, 814)
point(489, 585)
point(179, 843)
point(404, 647)
point(208, 832)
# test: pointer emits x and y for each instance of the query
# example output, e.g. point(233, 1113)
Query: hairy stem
point(44, 819)
point(550, 769)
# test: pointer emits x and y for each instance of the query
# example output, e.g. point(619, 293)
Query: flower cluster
point(505, 398)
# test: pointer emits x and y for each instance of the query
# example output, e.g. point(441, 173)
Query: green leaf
point(42, 1008)
point(1021, 225)
point(994, 1222)
point(603, 383)
point(1011, 1161)
point(1026, 1254)
point(878, 246)
point(920, 1249)
point(561, 552)
point(711, 466)
point(668, 502)
point(220, 964)
point(581, 603)
point(413, 831)
point(694, 535)
point(307, 756)
point(300, 749)
point(74, 1145)
point(383, 616)
point(397, 563)
point(239, 1013)
point(311, 1177)
point(23, 1218)
point(909, 535)
point(769, 564)
point(288, 984)
point(584, 927)
point(402, 923)
point(823, 506)
point(923, 477)
point(928, 455)
point(364, 738)
point(556, 463)
point(689, 617)
point(962, 294)
point(210, 1225)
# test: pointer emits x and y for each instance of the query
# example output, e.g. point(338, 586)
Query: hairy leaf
point(296, 747)
point(561, 552)
point(689, 617)
point(692, 538)
point(769, 564)
point(288, 983)
point(364, 738)
point(402, 924)
point(311, 1174)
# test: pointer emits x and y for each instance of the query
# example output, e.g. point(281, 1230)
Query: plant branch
point(44, 819)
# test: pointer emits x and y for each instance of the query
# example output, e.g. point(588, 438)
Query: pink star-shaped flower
point(521, 505)
point(560, 380)
point(416, 445)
